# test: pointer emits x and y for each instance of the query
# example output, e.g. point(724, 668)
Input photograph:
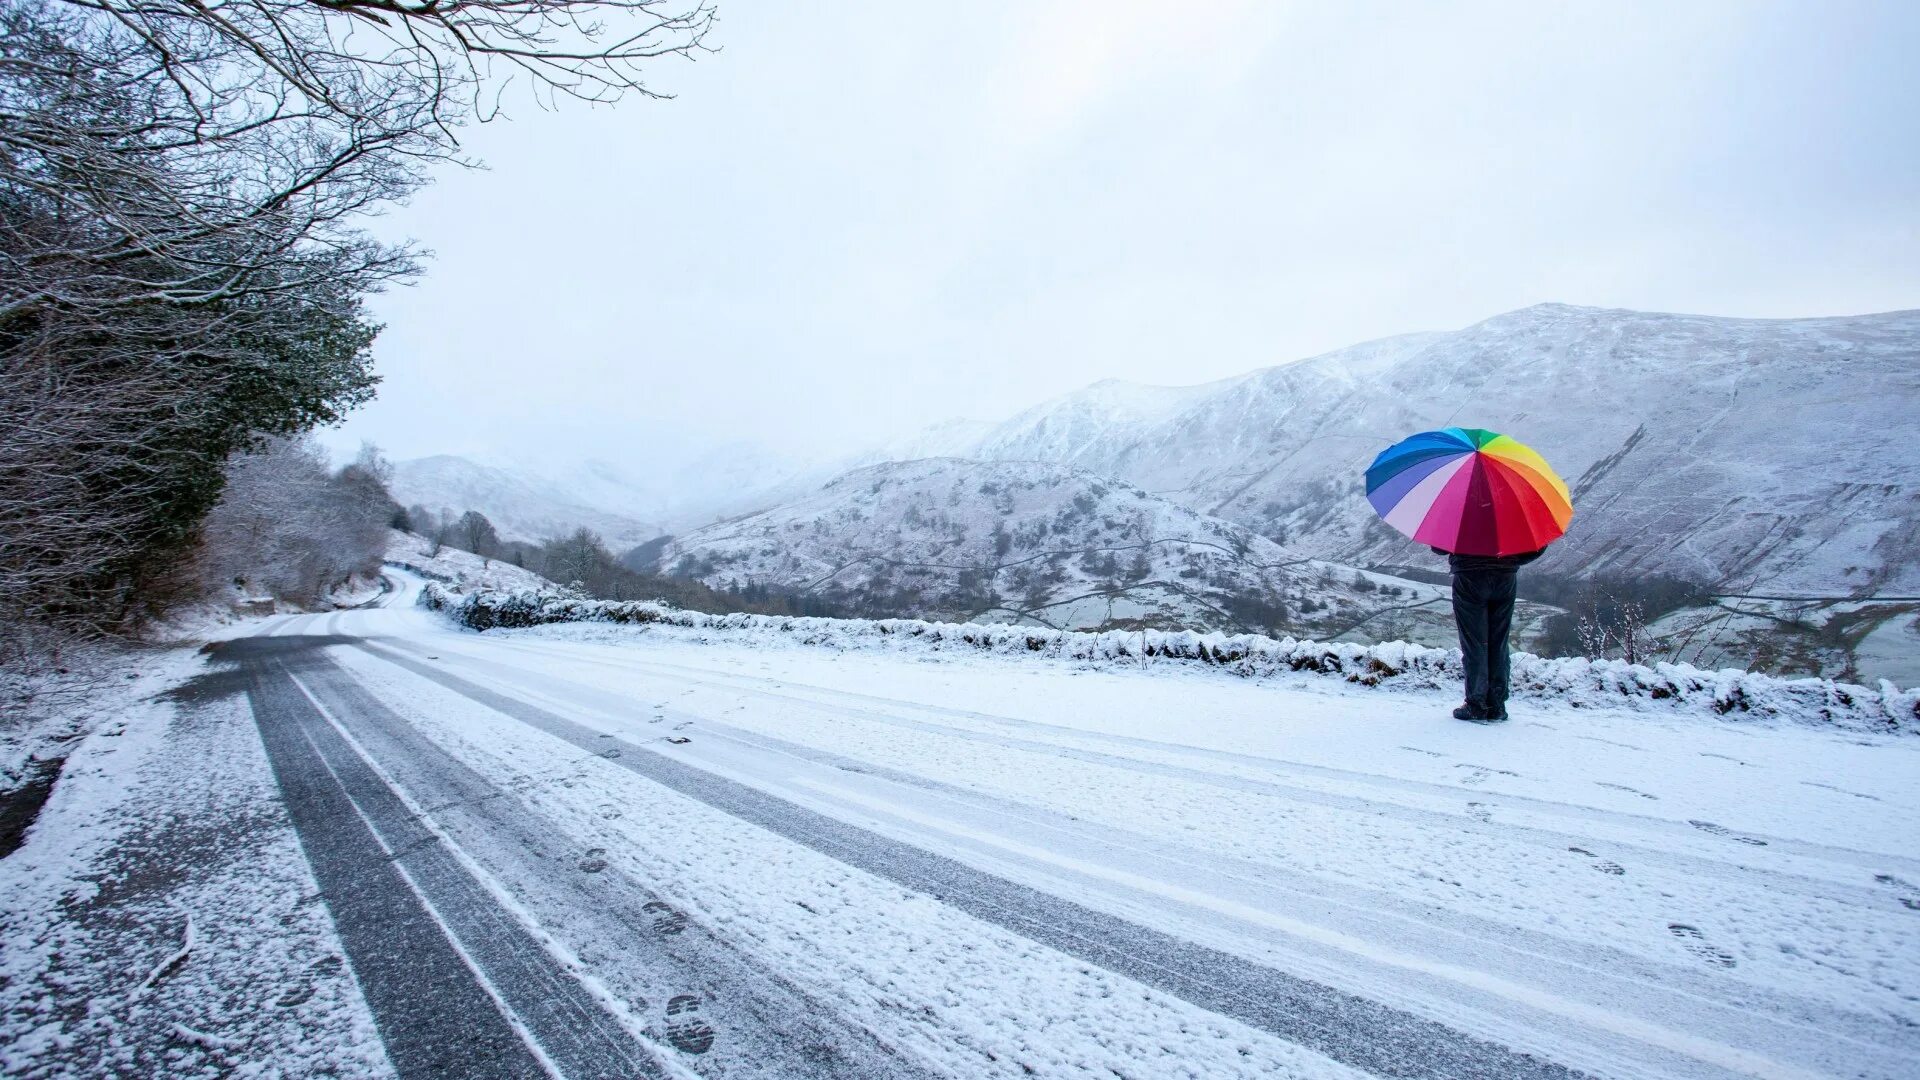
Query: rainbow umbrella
point(1469, 491)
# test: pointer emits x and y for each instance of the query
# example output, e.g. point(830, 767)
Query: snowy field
point(764, 860)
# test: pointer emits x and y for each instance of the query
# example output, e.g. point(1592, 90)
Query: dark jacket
point(1468, 564)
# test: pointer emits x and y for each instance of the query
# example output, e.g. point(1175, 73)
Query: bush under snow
point(1573, 681)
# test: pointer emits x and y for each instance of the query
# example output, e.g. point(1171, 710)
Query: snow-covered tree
point(289, 527)
point(475, 533)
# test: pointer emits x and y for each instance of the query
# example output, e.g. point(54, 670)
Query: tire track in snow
point(1621, 980)
point(1353, 1030)
point(458, 988)
point(1685, 863)
point(727, 680)
point(767, 1028)
point(1644, 993)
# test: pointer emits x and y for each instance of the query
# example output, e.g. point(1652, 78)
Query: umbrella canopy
point(1469, 491)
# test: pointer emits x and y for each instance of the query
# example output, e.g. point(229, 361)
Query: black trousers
point(1483, 609)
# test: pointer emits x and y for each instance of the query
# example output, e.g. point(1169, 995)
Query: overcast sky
point(858, 219)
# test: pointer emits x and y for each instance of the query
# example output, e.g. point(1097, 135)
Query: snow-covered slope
point(1081, 424)
point(733, 479)
point(949, 438)
point(1758, 455)
point(521, 505)
point(1026, 541)
point(612, 487)
point(456, 568)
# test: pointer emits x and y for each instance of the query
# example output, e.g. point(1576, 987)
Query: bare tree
point(290, 528)
point(476, 534)
point(218, 141)
point(577, 559)
point(1615, 625)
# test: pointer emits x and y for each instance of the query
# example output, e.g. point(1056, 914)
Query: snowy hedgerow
point(1574, 681)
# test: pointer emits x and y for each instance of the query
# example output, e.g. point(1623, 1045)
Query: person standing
point(1484, 587)
point(1495, 504)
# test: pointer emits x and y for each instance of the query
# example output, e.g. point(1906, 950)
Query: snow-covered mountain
point(521, 506)
point(733, 479)
point(949, 438)
point(1028, 541)
point(628, 501)
point(619, 488)
point(1755, 455)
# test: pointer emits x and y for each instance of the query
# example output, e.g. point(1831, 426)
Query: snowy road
point(606, 852)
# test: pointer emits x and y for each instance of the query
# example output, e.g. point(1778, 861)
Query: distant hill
point(1026, 541)
point(521, 507)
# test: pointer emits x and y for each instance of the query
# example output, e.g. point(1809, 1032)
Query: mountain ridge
point(1620, 402)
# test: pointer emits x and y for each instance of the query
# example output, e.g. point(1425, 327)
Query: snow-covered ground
point(160, 919)
point(1575, 682)
point(972, 864)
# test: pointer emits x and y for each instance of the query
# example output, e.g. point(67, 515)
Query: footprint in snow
point(1605, 866)
point(1478, 776)
point(1487, 769)
point(1911, 900)
point(1722, 830)
point(686, 1030)
point(1610, 742)
point(1628, 790)
point(1841, 790)
point(592, 863)
point(296, 996)
point(1695, 942)
point(1479, 812)
point(666, 919)
point(609, 812)
point(1417, 750)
